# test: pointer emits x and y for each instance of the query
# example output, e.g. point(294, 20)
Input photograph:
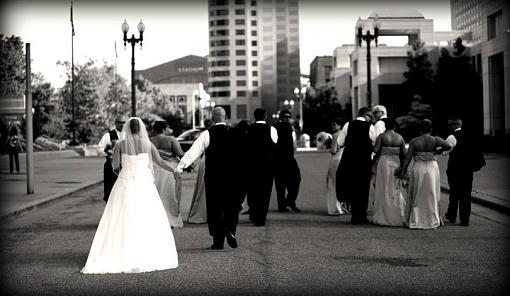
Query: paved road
point(295, 254)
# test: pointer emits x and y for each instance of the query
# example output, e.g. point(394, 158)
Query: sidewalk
point(61, 174)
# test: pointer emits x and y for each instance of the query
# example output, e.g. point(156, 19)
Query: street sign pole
point(28, 127)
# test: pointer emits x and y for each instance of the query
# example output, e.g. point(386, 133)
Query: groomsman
point(106, 145)
point(353, 173)
point(465, 158)
point(261, 143)
point(287, 175)
point(222, 200)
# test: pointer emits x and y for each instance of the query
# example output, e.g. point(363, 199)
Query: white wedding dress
point(134, 234)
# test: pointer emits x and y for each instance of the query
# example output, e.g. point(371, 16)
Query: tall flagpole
point(72, 78)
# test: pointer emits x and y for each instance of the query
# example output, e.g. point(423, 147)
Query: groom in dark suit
point(354, 171)
point(221, 157)
point(465, 158)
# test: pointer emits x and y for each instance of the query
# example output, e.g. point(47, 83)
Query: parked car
point(187, 138)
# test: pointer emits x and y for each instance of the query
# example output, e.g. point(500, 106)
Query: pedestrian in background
point(106, 145)
point(169, 187)
point(465, 158)
point(13, 148)
point(287, 174)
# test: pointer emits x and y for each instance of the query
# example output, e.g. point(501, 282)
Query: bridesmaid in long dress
point(424, 189)
point(335, 208)
point(389, 203)
point(168, 186)
point(197, 212)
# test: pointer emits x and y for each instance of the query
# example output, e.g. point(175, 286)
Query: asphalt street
point(307, 253)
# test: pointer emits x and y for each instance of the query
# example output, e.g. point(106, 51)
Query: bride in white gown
point(134, 234)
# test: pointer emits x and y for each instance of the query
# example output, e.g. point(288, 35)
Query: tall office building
point(253, 55)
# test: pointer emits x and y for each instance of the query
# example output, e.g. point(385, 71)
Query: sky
point(173, 29)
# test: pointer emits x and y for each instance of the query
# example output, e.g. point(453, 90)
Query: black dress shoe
point(217, 247)
point(259, 223)
point(283, 210)
point(295, 209)
point(231, 239)
point(464, 224)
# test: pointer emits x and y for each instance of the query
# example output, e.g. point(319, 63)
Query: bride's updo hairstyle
point(426, 126)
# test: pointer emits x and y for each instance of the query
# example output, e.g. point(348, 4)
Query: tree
point(419, 76)
point(320, 109)
point(12, 69)
point(42, 95)
point(458, 91)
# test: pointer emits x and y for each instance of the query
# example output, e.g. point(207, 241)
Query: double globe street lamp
point(133, 41)
point(368, 37)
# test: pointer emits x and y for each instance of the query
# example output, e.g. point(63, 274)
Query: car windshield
point(188, 134)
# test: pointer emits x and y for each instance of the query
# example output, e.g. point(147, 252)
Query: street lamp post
point(193, 100)
point(300, 95)
point(368, 37)
point(133, 41)
point(289, 104)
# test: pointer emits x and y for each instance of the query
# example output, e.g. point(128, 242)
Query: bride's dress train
point(134, 234)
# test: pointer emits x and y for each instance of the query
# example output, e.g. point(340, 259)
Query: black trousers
point(222, 208)
point(109, 179)
point(461, 184)
point(287, 179)
point(13, 157)
point(259, 194)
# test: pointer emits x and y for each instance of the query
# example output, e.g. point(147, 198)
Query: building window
point(253, 53)
point(239, 2)
point(220, 73)
point(222, 12)
point(222, 23)
point(220, 53)
point(255, 93)
point(240, 52)
point(253, 13)
point(172, 99)
point(253, 3)
point(220, 63)
point(220, 94)
point(240, 22)
point(211, 23)
point(355, 68)
point(494, 25)
point(240, 32)
point(253, 33)
point(241, 82)
point(239, 11)
point(254, 73)
point(240, 63)
point(253, 23)
point(241, 93)
point(218, 2)
point(254, 63)
point(255, 83)
point(222, 33)
point(241, 73)
point(254, 43)
point(220, 83)
point(240, 42)
point(181, 100)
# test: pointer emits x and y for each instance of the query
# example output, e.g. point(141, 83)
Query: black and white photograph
point(254, 147)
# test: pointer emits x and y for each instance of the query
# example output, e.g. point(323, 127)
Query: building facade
point(253, 54)
point(489, 48)
point(180, 80)
point(388, 63)
point(320, 71)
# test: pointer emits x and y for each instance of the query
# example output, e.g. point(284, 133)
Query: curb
point(477, 198)
point(48, 200)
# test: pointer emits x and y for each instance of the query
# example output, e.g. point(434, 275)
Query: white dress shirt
point(197, 149)
point(105, 140)
point(343, 134)
point(274, 132)
point(380, 127)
